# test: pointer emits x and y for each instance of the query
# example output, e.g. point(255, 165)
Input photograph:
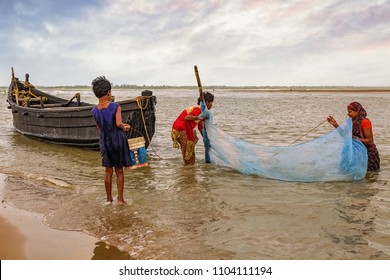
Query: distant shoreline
point(313, 90)
point(3, 89)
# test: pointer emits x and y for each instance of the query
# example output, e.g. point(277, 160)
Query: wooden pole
point(15, 87)
point(199, 83)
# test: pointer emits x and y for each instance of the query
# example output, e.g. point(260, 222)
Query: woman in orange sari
point(362, 131)
point(183, 129)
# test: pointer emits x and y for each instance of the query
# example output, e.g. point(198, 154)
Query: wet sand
point(24, 236)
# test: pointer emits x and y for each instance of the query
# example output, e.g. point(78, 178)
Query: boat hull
point(74, 124)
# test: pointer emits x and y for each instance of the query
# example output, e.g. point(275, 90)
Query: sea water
point(208, 211)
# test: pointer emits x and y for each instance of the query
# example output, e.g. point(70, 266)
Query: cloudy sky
point(233, 42)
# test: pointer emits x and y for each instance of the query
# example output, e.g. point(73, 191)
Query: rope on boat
point(138, 99)
point(24, 95)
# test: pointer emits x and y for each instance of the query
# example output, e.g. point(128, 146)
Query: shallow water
point(207, 211)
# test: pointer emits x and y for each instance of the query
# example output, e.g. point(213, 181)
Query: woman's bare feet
point(121, 202)
point(107, 202)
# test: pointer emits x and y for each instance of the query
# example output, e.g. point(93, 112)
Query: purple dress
point(114, 147)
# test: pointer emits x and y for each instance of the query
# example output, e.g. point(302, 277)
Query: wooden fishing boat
point(70, 122)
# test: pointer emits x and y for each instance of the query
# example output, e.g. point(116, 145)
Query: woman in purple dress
point(113, 144)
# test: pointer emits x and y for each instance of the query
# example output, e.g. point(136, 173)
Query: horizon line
point(220, 86)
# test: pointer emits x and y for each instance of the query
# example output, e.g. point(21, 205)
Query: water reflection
point(209, 211)
point(355, 221)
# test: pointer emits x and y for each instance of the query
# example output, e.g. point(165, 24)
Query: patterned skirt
point(187, 146)
point(373, 158)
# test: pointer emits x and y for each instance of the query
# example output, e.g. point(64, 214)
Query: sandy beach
point(24, 236)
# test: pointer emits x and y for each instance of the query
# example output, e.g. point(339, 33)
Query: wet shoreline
point(25, 236)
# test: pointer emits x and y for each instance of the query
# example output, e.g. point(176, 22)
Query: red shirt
point(366, 123)
point(180, 124)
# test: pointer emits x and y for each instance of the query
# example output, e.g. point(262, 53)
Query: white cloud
point(233, 42)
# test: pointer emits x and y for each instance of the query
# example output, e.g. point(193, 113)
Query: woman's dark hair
point(101, 86)
point(208, 97)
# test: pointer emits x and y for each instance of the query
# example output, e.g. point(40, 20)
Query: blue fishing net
point(334, 156)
